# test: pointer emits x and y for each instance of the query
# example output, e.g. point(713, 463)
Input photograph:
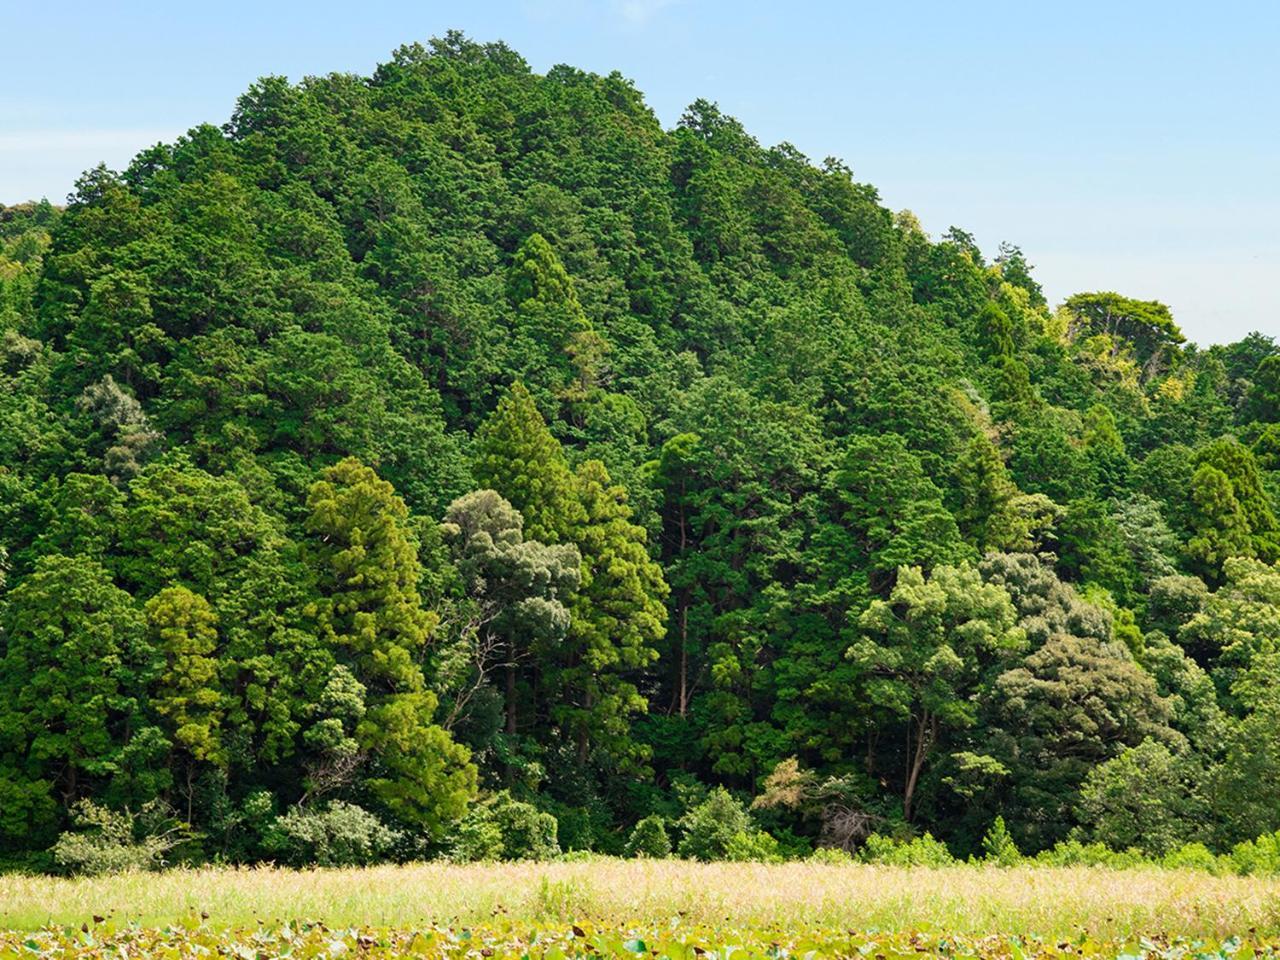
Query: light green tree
point(183, 631)
point(924, 651)
point(369, 612)
point(516, 455)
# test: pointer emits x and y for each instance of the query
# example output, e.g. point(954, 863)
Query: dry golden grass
point(1052, 902)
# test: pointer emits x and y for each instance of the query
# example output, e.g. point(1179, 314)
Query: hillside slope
point(416, 447)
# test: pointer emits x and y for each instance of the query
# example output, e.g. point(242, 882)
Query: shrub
point(998, 846)
point(1073, 853)
point(709, 827)
point(649, 839)
point(754, 847)
point(503, 828)
point(1192, 856)
point(830, 855)
point(340, 835)
point(527, 832)
point(1261, 856)
point(582, 856)
point(478, 838)
point(110, 841)
point(922, 851)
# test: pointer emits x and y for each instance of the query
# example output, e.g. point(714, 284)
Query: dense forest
point(454, 462)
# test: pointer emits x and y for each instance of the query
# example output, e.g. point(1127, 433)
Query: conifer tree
point(183, 630)
point(1240, 468)
point(553, 337)
point(367, 572)
point(890, 514)
point(517, 456)
point(1220, 527)
point(986, 512)
point(369, 612)
point(619, 615)
point(1105, 450)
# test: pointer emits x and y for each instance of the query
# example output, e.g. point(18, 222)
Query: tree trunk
point(511, 698)
point(584, 741)
point(509, 775)
point(926, 734)
point(684, 658)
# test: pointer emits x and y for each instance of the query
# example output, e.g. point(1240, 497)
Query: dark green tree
point(74, 667)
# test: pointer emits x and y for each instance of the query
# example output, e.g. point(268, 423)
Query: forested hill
point(416, 450)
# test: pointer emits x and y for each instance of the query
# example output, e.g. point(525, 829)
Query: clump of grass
point(960, 899)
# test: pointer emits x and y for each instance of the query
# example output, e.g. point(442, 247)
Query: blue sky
point(1132, 146)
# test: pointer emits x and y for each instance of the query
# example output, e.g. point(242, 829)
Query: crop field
point(619, 909)
point(508, 939)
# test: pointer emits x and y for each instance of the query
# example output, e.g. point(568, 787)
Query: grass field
point(1054, 903)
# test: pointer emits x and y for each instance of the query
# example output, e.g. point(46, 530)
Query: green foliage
point(518, 590)
point(831, 856)
point(1221, 530)
point(1145, 327)
point(889, 513)
point(1145, 798)
point(110, 841)
point(752, 847)
point(1073, 853)
point(998, 846)
point(367, 573)
point(924, 650)
point(184, 634)
point(340, 835)
point(709, 829)
point(370, 615)
point(74, 661)
point(1192, 856)
point(1069, 706)
point(517, 456)
point(987, 513)
point(460, 425)
point(617, 619)
point(502, 828)
point(649, 838)
point(1260, 856)
point(922, 851)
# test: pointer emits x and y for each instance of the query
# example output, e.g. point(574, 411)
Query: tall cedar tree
point(369, 612)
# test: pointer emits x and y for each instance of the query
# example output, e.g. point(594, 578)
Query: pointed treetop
point(517, 456)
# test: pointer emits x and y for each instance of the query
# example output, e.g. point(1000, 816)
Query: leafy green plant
point(922, 851)
point(649, 839)
point(111, 841)
point(1073, 853)
point(1260, 856)
point(502, 828)
point(998, 846)
point(708, 828)
point(339, 835)
point(754, 847)
point(834, 856)
point(1193, 856)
